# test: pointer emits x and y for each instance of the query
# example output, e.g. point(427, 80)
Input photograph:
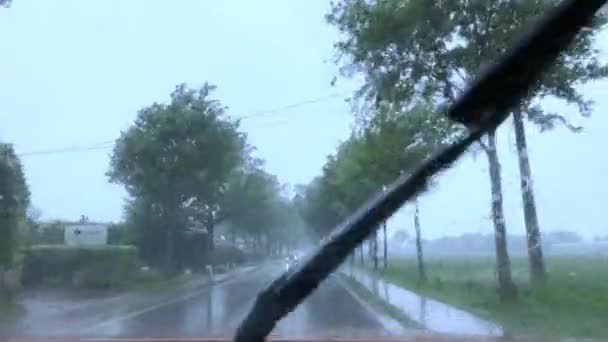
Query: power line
point(65, 150)
point(290, 106)
point(98, 145)
point(110, 143)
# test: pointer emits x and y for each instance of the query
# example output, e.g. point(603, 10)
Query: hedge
point(223, 255)
point(90, 267)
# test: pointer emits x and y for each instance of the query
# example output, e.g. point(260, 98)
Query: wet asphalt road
point(216, 311)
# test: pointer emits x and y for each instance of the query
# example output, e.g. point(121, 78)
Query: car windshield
point(163, 163)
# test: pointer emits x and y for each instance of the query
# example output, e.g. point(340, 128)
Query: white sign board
point(86, 235)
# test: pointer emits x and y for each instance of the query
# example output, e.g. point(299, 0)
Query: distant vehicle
point(291, 261)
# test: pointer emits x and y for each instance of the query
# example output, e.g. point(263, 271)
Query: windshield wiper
point(483, 107)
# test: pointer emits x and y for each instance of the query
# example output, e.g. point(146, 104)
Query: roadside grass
point(378, 303)
point(8, 308)
point(574, 302)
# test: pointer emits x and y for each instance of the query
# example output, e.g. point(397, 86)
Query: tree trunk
point(361, 254)
point(3, 290)
point(385, 256)
point(210, 231)
point(169, 249)
point(267, 246)
point(375, 249)
point(538, 273)
point(421, 272)
point(506, 288)
point(170, 221)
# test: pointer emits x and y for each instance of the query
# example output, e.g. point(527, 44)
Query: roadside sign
point(86, 235)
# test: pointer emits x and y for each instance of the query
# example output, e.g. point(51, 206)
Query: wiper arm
point(483, 107)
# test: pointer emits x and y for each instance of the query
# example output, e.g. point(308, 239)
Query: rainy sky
point(74, 74)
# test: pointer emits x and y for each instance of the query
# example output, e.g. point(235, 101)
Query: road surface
point(216, 311)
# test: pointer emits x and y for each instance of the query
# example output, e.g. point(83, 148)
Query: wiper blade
point(483, 107)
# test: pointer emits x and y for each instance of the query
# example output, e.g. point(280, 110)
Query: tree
point(255, 207)
point(390, 144)
point(286, 227)
point(142, 216)
point(14, 200)
point(175, 161)
point(340, 189)
point(32, 224)
point(249, 204)
point(419, 256)
point(432, 50)
point(323, 204)
point(384, 246)
point(578, 65)
point(399, 142)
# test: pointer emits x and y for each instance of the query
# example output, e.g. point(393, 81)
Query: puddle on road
point(429, 313)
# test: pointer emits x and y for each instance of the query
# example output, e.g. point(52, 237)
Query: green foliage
point(315, 204)
point(90, 267)
point(174, 162)
point(41, 233)
point(390, 144)
point(178, 151)
point(188, 169)
point(223, 255)
point(410, 50)
point(14, 199)
point(255, 207)
point(121, 234)
point(143, 219)
point(249, 200)
point(429, 49)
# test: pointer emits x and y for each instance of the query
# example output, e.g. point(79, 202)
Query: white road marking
point(142, 311)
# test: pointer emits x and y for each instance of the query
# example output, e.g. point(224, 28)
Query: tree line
point(194, 185)
point(189, 171)
point(483, 244)
point(416, 57)
point(14, 200)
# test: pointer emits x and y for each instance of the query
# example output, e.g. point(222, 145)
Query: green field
point(574, 302)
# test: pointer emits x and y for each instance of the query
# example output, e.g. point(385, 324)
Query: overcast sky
point(74, 73)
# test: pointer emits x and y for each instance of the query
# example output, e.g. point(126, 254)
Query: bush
point(256, 257)
point(90, 267)
point(121, 234)
point(45, 233)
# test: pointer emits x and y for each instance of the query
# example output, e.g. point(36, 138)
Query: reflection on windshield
point(164, 163)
